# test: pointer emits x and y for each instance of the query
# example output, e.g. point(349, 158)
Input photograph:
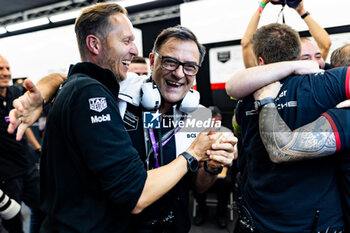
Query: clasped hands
point(219, 149)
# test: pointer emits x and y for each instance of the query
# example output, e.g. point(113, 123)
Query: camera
point(9, 208)
point(290, 3)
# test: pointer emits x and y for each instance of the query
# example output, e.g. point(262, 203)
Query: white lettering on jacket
point(99, 119)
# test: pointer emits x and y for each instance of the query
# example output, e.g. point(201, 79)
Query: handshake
point(9, 208)
point(217, 148)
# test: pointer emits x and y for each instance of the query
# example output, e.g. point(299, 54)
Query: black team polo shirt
point(285, 197)
point(91, 176)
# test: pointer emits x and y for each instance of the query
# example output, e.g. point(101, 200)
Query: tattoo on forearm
point(310, 141)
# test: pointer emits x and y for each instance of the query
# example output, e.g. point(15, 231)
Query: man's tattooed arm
point(313, 140)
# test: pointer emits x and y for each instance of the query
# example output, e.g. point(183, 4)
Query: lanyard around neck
point(155, 144)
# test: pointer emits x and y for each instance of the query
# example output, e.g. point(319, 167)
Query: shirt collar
point(104, 76)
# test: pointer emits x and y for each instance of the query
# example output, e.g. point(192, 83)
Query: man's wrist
point(269, 105)
point(262, 6)
point(258, 104)
point(193, 153)
point(211, 170)
point(38, 150)
point(265, 96)
point(301, 12)
point(192, 162)
point(303, 16)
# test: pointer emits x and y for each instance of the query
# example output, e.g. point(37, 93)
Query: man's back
point(91, 177)
point(291, 197)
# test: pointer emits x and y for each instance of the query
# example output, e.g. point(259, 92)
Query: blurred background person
point(341, 56)
point(19, 82)
point(19, 177)
point(139, 66)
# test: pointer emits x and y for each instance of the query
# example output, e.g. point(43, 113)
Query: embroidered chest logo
point(98, 104)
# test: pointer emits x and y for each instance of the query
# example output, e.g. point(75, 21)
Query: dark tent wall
point(151, 30)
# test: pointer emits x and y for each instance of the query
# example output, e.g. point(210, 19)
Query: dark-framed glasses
point(171, 63)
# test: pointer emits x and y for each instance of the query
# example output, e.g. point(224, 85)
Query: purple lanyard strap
point(154, 143)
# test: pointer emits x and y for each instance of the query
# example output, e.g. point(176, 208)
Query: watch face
point(193, 165)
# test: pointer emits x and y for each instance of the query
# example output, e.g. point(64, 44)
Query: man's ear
point(261, 61)
point(94, 44)
point(151, 60)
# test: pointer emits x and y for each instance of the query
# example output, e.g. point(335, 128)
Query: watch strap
point(303, 16)
point(189, 159)
point(265, 101)
point(207, 169)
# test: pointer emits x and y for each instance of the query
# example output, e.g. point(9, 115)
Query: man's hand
point(300, 8)
point(27, 109)
point(202, 144)
point(344, 104)
point(223, 152)
point(270, 90)
point(306, 67)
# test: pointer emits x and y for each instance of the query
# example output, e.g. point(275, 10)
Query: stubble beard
point(110, 64)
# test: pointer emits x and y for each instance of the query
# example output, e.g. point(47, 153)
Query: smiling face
point(174, 85)
point(5, 73)
point(119, 47)
point(310, 51)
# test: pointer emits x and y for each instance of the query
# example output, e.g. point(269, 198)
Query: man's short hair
point(276, 42)
point(138, 59)
point(94, 20)
point(340, 57)
point(181, 33)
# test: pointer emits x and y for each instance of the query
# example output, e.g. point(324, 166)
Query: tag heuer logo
point(98, 104)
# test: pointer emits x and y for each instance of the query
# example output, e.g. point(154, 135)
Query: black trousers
point(24, 188)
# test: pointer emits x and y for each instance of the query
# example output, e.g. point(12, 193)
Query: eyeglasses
point(171, 63)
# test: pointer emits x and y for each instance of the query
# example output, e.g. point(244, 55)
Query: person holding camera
point(309, 50)
point(9, 208)
point(108, 175)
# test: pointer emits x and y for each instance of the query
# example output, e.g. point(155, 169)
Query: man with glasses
point(173, 74)
point(171, 63)
point(175, 61)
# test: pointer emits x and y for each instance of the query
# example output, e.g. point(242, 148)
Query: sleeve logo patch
point(99, 119)
point(98, 104)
